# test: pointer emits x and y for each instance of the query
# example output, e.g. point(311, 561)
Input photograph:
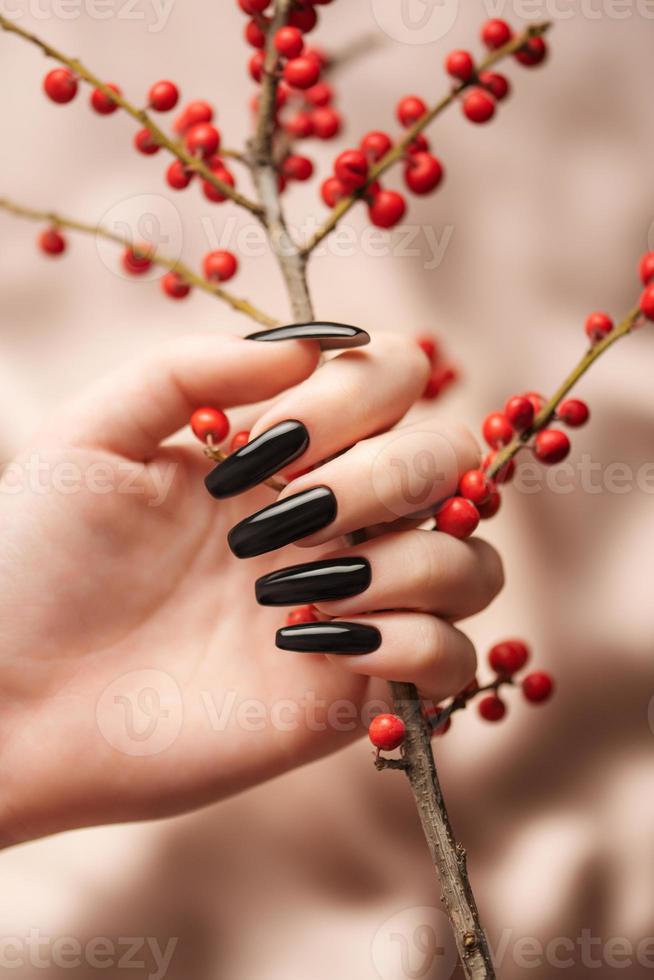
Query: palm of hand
point(145, 679)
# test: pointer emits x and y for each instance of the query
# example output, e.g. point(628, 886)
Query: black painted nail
point(258, 460)
point(332, 336)
point(331, 578)
point(283, 522)
point(332, 637)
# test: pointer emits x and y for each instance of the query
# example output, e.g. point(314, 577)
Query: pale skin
point(122, 607)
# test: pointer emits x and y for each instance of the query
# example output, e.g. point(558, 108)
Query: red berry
point(203, 139)
point(104, 104)
point(551, 446)
point(222, 173)
point(60, 85)
point(507, 471)
point(253, 7)
point(209, 422)
point(475, 486)
point(387, 732)
point(326, 122)
point(163, 96)
point(419, 145)
point(240, 439)
point(144, 142)
point(137, 260)
point(533, 53)
point(491, 708)
point(254, 35)
point(410, 109)
point(220, 265)
point(573, 412)
point(496, 84)
point(177, 176)
point(255, 65)
point(423, 173)
point(386, 209)
point(52, 242)
point(429, 346)
point(303, 614)
point(195, 112)
point(459, 64)
point(432, 714)
point(297, 168)
point(537, 687)
point(491, 507)
point(598, 325)
point(519, 410)
point(497, 430)
point(303, 17)
point(496, 33)
point(439, 378)
point(647, 302)
point(300, 125)
point(478, 106)
point(509, 657)
point(301, 72)
point(289, 42)
point(332, 191)
point(646, 268)
point(536, 399)
point(351, 168)
point(174, 286)
point(458, 517)
point(375, 145)
point(320, 94)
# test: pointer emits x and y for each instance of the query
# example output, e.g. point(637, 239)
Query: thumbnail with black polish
point(315, 581)
point(331, 637)
point(332, 336)
point(259, 459)
point(283, 522)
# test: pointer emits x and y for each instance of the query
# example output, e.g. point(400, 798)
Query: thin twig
point(159, 137)
point(397, 152)
point(548, 411)
point(175, 265)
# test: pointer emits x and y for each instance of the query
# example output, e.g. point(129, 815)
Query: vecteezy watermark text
point(153, 13)
point(43, 952)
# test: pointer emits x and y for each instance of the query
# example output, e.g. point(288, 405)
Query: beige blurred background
point(323, 873)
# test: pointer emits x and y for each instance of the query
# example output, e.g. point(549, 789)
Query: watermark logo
point(415, 21)
point(141, 712)
point(414, 944)
point(413, 471)
point(141, 219)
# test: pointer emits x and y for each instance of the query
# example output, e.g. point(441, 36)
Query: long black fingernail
point(259, 459)
point(332, 336)
point(332, 637)
point(331, 578)
point(283, 522)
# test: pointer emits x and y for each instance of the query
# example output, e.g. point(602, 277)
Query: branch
point(58, 220)
point(548, 411)
point(291, 262)
point(398, 151)
point(141, 116)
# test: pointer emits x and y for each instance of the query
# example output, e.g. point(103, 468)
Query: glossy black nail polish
point(331, 578)
point(332, 637)
point(332, 336)
point(283, 522)
point(259, 459)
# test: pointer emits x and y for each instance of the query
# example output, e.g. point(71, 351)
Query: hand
point(139, 677)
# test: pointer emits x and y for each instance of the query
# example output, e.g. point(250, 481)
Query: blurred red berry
point(320, 94)
point(305, 18)
point(496, 84)
point(60, 85)
point(475, 486)
point(491, 506)
point(519, 410)
point(376, 145)
point(551, 446)
point(202, 139)
point(289, 42)
point(303, 614)
point(175, 286)
point(459, 64)
point(647, 302)
point(598, 325)
point(351, 168)
point(326, 122)
point(163, 96)
point(537, 687)
point(573, 412)
point(137, 260)
point(505, 474)
point(478, 106)
point(646, 268)
point(240, 439)
point(508, 657)
point(193, 114)
point(296, 167)
point(533, 53)
point(214, 193)
point(410, 109)
point(52, 242)
point(332, 190)
point(220, 265)
point(491, 708)
point(497, 430)
point(536, 399)
point(429, 346)
point(103, 104)
point(253, 7)
point(301, 72)
point(423, 173)
point(386, 209)
point(177, 176)
point(300, 125)
point(254, 35)
point(496, 33)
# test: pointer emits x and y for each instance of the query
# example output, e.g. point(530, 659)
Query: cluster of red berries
point(442, 374)
point(507, 659)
